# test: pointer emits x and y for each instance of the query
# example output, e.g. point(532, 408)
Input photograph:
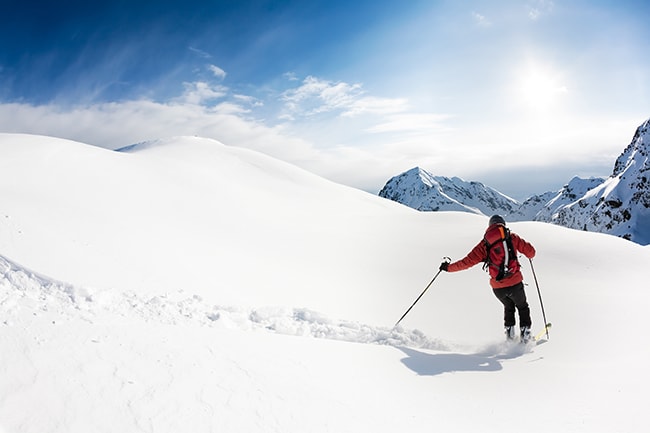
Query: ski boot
point(510, 333)
point(526, 337)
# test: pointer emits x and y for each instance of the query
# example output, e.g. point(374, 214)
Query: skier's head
point(496, 219)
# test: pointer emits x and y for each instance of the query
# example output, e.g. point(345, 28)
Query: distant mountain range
point(618, 205)
point(423, 191)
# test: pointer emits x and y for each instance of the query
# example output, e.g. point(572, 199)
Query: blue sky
point(521, 95)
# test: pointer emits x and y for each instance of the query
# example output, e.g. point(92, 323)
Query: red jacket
point(479, 254)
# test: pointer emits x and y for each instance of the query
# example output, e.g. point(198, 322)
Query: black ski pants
point(514, 297)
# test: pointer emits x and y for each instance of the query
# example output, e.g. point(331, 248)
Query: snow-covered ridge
point(545, 206)
point(423, 191)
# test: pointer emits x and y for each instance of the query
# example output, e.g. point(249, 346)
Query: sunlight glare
point(540, 88)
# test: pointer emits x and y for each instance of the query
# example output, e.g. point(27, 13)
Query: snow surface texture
point(184, 285)
point(618, 205)
point(62, 303)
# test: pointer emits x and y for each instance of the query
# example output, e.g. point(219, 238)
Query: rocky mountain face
point(618, 205)
point(621, 204)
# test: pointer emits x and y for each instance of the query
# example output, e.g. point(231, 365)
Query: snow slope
point(184, 285)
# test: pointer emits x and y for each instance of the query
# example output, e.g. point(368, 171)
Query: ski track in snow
point(22, 290)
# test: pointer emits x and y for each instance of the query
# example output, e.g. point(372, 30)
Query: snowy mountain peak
point(621, 205)
point(424, 176)
point(421, 190)
point(636, 153)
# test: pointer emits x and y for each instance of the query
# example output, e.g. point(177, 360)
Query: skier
point(498, 250)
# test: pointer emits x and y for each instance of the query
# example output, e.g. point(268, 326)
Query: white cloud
point(200, 53)
point(291, 76)
point(230, 108)
point(539, 8)
point(481, 19)
point(114, 125)
point(118, 124)
point(200, 92)
point(317, 96)
point(320, 96)
point(249, 100)
point(217, 71)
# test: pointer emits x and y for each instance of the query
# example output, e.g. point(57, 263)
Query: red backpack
point(501, 260)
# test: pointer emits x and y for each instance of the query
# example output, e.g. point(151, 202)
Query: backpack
point(501, 258)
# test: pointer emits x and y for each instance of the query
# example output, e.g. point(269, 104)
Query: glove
point(444, 266)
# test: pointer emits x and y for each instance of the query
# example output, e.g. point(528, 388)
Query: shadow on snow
point(433, 364)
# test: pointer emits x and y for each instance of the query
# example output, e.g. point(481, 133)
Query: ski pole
point(421, 294)
point(539, 293)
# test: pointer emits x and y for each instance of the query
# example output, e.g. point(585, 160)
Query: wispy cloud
point(539, 8)
point(248, 100)
point(316, 96)
point(217, 71)
point(200, 92)
point(200, 53)
point(291, 76)
point(481, 20)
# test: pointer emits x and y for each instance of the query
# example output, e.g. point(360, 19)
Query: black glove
point(444, 266)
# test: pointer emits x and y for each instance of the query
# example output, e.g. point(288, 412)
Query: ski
point(541, 333)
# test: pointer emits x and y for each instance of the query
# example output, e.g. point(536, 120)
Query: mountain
point(621, 205)
point(420, 190)
point(188, 286)
point(542, 207)
point(532, 206)
point(618, 205)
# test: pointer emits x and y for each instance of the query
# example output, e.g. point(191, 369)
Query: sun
point(539, 88)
